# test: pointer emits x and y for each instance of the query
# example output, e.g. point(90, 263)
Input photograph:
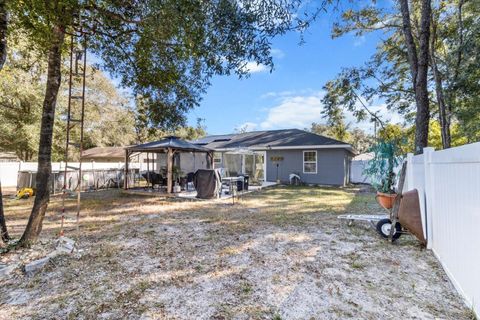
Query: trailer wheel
point(384, 226)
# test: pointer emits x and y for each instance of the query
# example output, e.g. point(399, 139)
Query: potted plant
point(381, 170)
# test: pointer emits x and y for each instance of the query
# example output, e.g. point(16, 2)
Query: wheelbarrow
point(404, 216)
point(407, 219)
point(381, 222)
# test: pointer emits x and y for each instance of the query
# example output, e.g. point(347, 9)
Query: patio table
point(231, 181)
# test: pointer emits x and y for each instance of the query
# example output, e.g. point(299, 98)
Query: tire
point(383, 228)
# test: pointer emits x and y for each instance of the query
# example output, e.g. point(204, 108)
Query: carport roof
point(168, 142)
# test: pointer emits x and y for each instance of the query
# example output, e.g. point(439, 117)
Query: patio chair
point(190, 176)
point(154, 179)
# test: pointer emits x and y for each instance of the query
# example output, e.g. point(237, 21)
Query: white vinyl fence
point(448, 182)
point(9, 170)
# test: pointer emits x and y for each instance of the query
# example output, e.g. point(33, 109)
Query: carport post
point(169, 170)
point(125, 176)
point(210, 156)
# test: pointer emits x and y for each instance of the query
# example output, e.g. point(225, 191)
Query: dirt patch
point(278, 254)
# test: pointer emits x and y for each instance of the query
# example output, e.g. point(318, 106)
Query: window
point(217, 160)
point(309, 161)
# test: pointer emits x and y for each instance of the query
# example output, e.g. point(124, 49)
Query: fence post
point(429, 193)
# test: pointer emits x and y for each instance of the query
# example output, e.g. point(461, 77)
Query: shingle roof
point(272, 138)
point(104, 152)
point(168, 142)
point(8, 155)
point(210, 139)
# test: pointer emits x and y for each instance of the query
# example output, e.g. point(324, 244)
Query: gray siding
point(332, 166)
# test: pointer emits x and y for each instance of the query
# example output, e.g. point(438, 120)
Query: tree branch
point(373, 114)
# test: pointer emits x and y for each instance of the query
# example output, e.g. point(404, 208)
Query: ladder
point(75, 118)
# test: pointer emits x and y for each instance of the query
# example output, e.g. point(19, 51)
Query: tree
point(146, 134)
point(3, 32)
point(418, 61)
point(456, 54)
point(320, 129)
point(192, 133)
point(3, 56)
point(402, 136)
point(386, 77)
point(168, 65)
point(338, 131)
point(335, 119)
point(34, 225)
point(3, 225)
point(21, 89)
point(398, 51)
point(359, 139)
point(109, 119)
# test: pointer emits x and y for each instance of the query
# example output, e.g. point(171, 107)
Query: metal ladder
point(75, 117)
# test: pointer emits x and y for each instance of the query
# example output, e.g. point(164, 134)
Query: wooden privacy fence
point(448, 182)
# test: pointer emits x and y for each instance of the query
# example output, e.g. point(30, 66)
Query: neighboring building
point(274, 155)
point(358, 166)
point(8, 157)
point(364, 156)
point(104, 154)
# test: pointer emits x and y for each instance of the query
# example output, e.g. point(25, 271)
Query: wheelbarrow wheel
point(384, 226)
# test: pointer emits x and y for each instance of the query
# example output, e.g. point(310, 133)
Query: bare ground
point(278, 254)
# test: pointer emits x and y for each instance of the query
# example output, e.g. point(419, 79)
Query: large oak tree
point(390, 76)
point(165, 51)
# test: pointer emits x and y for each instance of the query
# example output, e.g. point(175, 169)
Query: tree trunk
point(3, 58)
point(3, 32)
point(34, 226)
point(442, 105)
point(3, 225)
point(419, 68)
point(442, 109)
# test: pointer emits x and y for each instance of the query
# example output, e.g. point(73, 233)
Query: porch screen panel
point(259, 175)
point(249, 164)
point(233, 164)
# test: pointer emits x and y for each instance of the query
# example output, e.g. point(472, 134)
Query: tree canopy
point(167, 51)
point(453, 76)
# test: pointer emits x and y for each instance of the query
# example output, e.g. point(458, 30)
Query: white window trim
point(316, 161)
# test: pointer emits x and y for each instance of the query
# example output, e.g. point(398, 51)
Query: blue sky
point(289, 96)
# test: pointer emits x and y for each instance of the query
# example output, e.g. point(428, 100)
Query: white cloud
point(253, 67)
point(359, 41)
point(277, 53)
point(280, 95)
point(274, 94)
point(299, 109)
point(294, 112)
point(246, 127)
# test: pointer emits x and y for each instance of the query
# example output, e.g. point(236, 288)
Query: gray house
point(274, 155)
